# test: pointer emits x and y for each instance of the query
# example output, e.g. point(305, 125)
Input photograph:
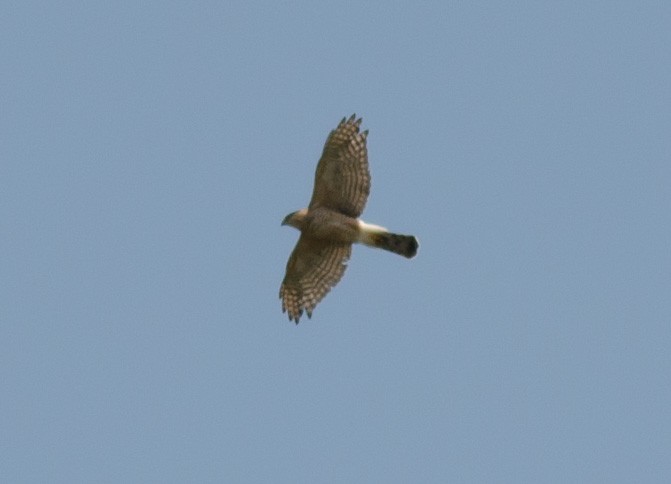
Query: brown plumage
point(405, 245)
point(330, 224)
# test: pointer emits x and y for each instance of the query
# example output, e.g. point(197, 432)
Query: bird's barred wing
point(314, 267)
point(342, 180)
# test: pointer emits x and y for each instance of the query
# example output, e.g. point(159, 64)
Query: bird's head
point(295, 219)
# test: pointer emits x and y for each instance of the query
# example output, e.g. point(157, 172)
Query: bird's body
point(330, 224)
point(326, 224)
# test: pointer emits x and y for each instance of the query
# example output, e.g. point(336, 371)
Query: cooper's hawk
point(330, 224)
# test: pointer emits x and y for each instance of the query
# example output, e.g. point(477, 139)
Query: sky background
point(150, 150)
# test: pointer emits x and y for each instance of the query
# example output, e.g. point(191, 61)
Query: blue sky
point(149, 151)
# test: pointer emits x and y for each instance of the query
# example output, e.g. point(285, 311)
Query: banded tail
point(379, 237)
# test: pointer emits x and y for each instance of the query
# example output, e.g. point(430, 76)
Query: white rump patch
point(365, 230)
point(370, 228)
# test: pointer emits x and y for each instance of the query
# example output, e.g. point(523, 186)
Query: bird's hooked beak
point(286, 219)
point(296, 219)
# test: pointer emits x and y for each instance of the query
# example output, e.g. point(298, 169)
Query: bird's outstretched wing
point(342, 179)
point(315, 266)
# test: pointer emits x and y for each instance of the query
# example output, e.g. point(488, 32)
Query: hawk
point(330, 224)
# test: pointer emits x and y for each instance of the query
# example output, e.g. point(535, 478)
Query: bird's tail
point(375, 236)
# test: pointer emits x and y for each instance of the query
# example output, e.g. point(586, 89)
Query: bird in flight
point(331, 224)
